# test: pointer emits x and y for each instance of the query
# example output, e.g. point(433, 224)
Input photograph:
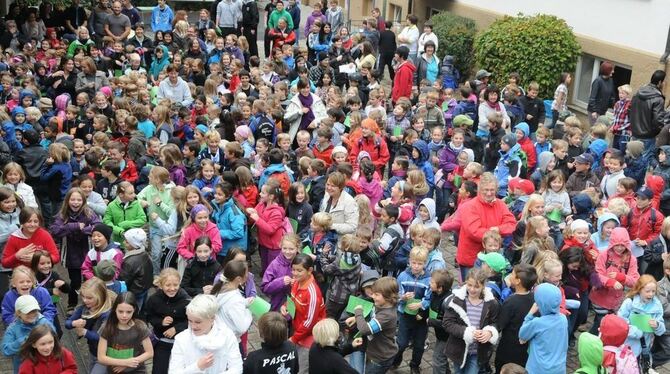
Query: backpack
point(374, 257)
point(284, 181)
point(625, 359)
point(263, 128)
point(286, 226)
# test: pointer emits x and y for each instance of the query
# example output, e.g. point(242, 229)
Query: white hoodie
point(220, 341)
point(233, 312)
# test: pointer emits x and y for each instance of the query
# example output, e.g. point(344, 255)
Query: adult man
point(409, 36)
point(484, 212)
point(250, 25)
point(161, 17)
point(404, 75)
point(227, 14)
point(174, 88)
point(117, 25)
point(131, 12)
point(647, 113)
point(75, 17)
point(387, 47)
point(96, 22)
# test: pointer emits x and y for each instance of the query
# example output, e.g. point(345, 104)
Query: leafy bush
point(456, 36)
point(539, 48)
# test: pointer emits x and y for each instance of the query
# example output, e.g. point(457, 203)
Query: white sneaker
point(652, 371)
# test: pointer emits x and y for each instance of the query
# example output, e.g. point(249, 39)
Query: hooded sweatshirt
point(423, 163)
point(429, 204)
point(652, 308)
point(625, 265)
point(402, 83)
point(186, 248)
point(273, 281)
point(527, 145)
point(656, 184)
point(233, 311)
point(613, 333)
point(547, 335)
point(597, 237)
point(590, 350)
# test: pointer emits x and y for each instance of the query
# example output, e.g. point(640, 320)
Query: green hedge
point(539, 48)
point(456, 37)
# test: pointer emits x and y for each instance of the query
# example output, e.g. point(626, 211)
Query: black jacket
point(327, 360)
point(317, 191)
point(438, 304)
point(534, 107)
point(269, 360)
point(31, 158)
point(199, 274)
point(602, 95)
point(250, 14)
point(387, 45)
point(646, 112)
point(159, 306)
point(137, 271)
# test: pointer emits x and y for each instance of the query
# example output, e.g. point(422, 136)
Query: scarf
point(494, 106)
point(308, 117)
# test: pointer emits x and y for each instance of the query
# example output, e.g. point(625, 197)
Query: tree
point(539, 48)
point(456, 36)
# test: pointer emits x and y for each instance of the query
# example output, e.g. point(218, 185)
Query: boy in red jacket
point(643, 222)
point(404, 75)
point(522, 132)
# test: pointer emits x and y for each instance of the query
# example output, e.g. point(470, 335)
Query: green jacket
point(590, 349)
point(72, 48)
point(166, 206)
point(276, 15)
point(121, 218)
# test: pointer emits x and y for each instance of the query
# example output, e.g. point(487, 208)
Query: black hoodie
point(646, 112)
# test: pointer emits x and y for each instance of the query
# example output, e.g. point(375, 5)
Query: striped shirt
point(474, 313)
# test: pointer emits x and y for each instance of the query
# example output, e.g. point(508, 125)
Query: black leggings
point(75, 285)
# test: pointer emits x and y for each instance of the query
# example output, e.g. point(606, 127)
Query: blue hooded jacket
point(598, 241)
point(502, 171)
point(26, 93)
point(16, 334)
point(423, 163)
point(232, 225)
point(274, 168)
point(547, 335)
point(15, 112)
point(523, 126)
point(597, 148)
point(161, 19)
point(10, 137)
point(583, 207)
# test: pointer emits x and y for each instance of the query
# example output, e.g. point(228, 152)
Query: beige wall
point(642, 63)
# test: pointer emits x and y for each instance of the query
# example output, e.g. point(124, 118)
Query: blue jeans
point(357, 361)
point(464, 272)
point(471, 366)
point(416, 331)
point(442, 202)
point(381, 367)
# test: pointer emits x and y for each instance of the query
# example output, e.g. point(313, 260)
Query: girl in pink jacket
point(268, 216)
point(199, 225)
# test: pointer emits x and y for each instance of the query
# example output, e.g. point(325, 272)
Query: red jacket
point(278, 39)
point(17, 240)
point(50, 365)
point(529, 148)
point(588, 247)
point(402, 83)
point(377, 149)
point(625, 267)
point(251, 194)
point(613, 332)
point(309, 309)
point(478, 216)
point(129, 173)
point(640, 225)
point(325, 155)
point(656, 184)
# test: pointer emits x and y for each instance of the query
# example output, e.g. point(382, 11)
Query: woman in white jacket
point(207, 346)
point(233, 310)
point(305, 110)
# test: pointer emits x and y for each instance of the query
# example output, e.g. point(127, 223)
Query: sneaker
point(652, 371)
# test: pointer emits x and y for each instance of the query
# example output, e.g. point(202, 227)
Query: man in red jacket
point(404, 75)
point(482, 213)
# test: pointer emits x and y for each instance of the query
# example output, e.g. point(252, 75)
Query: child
point(542, 143)
point(198, 225)
point(299, 208)
point(277, 277)
point(14, 178)
point(124, 331)
point(343, 267)
point(431, 237)
point(621, 123)
point(635, 165)
point(117, 151)
point(108, 186)
point(102, 249)
point(575, 282)
point(511, 317)
point(641, 300)
point(606, 223)
point(415, 295)
point(106, 271)
point(522, 133)
point(616, 267)
point(615, 166)
point(320, 237)
point(42, 351)
point(268, 217)
point(28, 316)
point(229, 217)
point(643, 222)
point(23, 282)
point(42, 267)
point(273, 331)
point(509, 165)
point(201, 272)
point(469, 318)
point(136, 269)
point(124, 213)
point(546, 335)
point(382, 253)
point(660, 351)
point(233, 310)
point(440, 286)
point(309, 307)
point(537, 244)
point(166, 312)
point(57, 175)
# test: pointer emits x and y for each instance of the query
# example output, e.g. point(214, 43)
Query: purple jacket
point(76, 238)
point(236, 52)
point(178, 175)
point(273, 281)
point(39, 293)
point(448, 162)
point(316, 14)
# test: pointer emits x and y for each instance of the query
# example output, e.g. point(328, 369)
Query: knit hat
point(45, 103)
point(106, 270)
point(509, 139)
point(105, 230)
point(107, 91)
point(339, 149)
point(368, 277)
point(243, 131)
point(645, 193)
point(197, 209)
point(494, 260)
point(136, 238)
point(26, 304)
point(578, 224)
point(202, 128)
point(462, 119)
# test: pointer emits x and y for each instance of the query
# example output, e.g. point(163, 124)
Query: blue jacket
point(547, 335)
point(39, 293)
point(50, 175)
point(16, 334)
point(23, 94)
point(509, 166)
point(9, 222)
point(600, 243)
point(202, 183)
point(274, 168)
point(423, 163)
point(92, 327)
point(539, 148)
point(419, 284)
point(10, 137)
point(635, 305)
point(161, 19)
point(232, 225)
point(468, 108)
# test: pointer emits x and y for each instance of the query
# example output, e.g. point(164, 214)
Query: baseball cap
point(584, 158)
point(523, 184)
point(26, 304)
point(645, 192)
point(494, 260)
point(462, 119)
point(106, 270)
point(510, 140)
point(482, 74)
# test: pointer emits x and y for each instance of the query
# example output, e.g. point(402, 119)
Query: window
point(587, 71)
point(430, 12)
point(396, 13)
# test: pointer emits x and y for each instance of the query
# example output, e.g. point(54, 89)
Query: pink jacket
point(93, 258)
point(270, 225)
point(604, 294)
point(185, 247)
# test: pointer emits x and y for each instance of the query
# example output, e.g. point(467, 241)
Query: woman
point(305, 110)
point(90, 80)
point(603, 93)
point(64, 80)
point(367, 56)
point(281, 34)
point(194, 50)
point(324, 41)
point(347, 42)
point(427, 65)
point(340, 205)
point(33, 28)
